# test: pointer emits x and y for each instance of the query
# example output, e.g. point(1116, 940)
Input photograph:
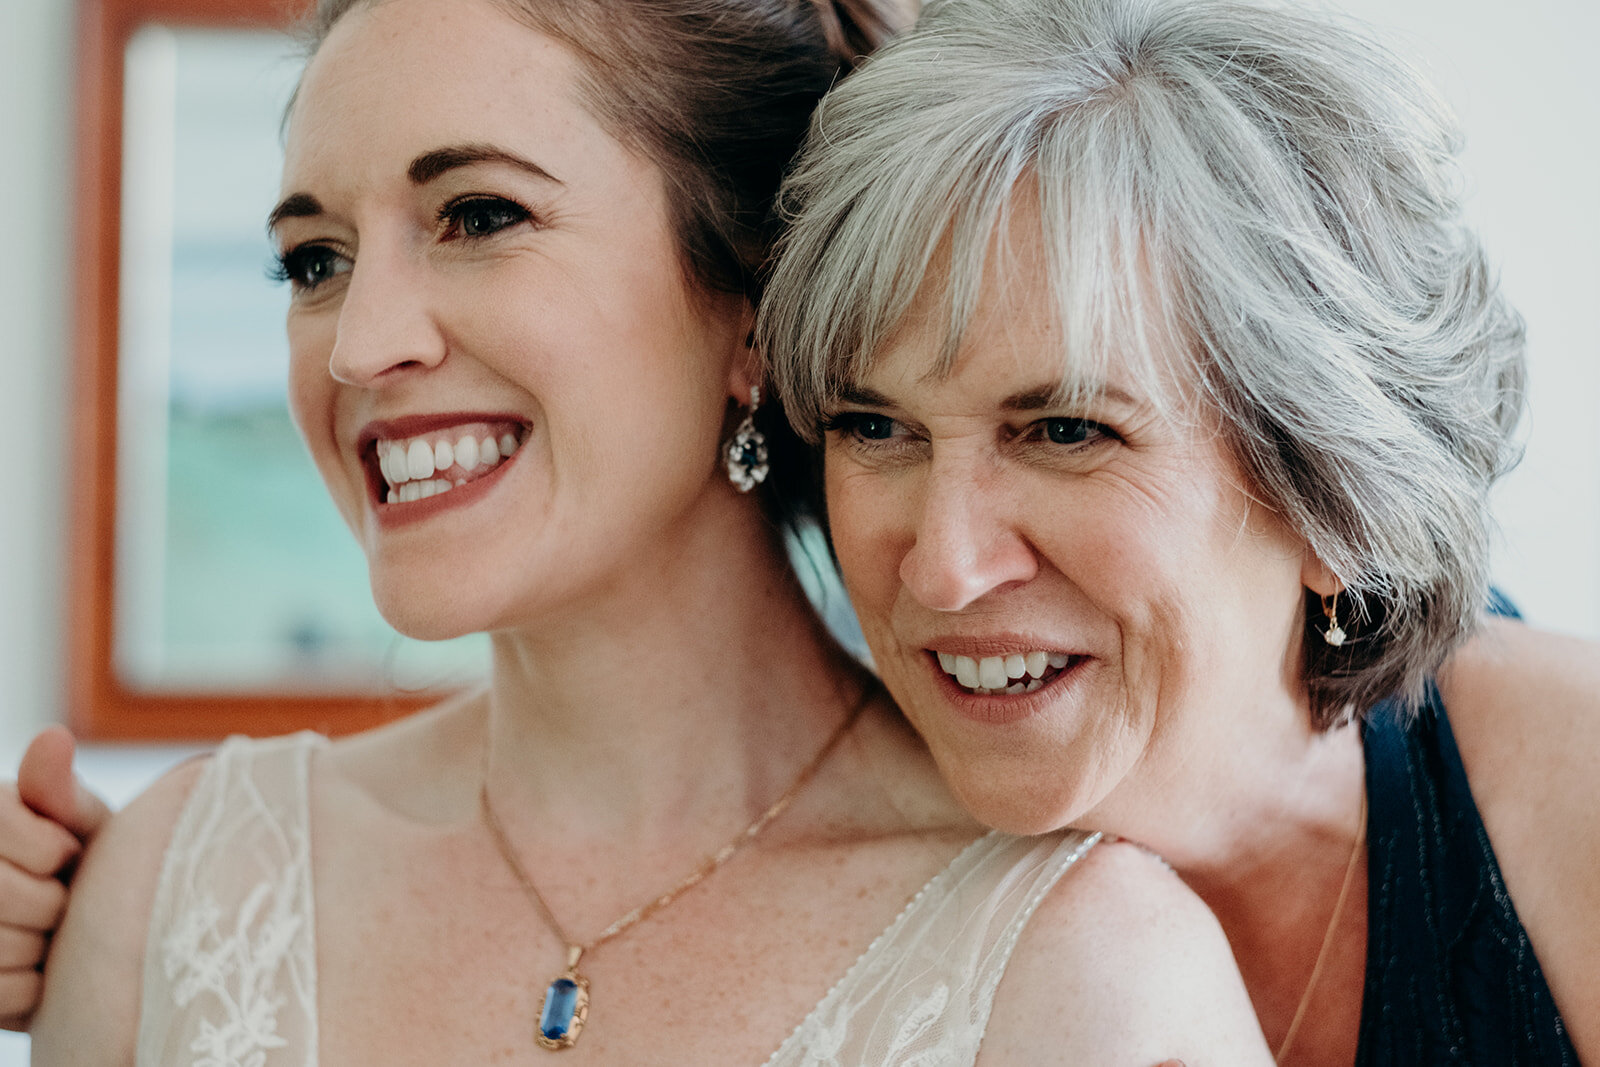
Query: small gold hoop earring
point(1334, 634)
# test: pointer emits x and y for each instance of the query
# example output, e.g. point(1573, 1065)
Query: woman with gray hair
point(1161, 388)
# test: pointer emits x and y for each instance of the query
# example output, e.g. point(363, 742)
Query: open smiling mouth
point(403, 470)
point(1009, 675)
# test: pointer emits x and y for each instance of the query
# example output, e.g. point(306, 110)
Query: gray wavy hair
point(1273, 187)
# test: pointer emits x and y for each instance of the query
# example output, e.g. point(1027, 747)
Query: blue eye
point(309, 265)
point(481, 216)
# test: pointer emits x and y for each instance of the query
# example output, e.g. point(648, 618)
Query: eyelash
point(850, 423)
point(294, 264)
point(1093, 432)
point(453, 215)
point(1087, 432)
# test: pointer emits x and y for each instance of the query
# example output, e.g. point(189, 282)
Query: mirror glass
point(233, 570)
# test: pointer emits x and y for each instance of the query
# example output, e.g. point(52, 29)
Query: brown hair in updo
point(718, 94)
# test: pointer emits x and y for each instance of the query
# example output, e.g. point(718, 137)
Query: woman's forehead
point(435, 71)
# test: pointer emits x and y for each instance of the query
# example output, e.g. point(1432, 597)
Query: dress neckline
point(938, 878)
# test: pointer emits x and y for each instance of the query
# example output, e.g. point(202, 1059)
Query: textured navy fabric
point(1451, 976)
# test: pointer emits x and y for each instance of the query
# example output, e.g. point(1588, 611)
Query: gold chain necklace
point(566, 999)
point(1327, 935)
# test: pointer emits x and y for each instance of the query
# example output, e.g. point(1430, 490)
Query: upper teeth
point(409, 464)
point(996, 674)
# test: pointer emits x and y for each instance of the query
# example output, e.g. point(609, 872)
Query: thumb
point(47, 785)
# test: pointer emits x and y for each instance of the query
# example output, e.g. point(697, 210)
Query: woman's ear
point(744, 370)
point(1317, 576)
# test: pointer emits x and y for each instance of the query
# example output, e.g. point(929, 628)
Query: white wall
point(35, 437)
point(1522, 79)
point(35, 122)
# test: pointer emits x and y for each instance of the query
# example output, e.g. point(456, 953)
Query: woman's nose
point(386, 323)
point(966, 543)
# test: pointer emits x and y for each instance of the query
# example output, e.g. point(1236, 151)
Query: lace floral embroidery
point(230, 977)
point(237, 971)
point(920, 995)
point(232, 930)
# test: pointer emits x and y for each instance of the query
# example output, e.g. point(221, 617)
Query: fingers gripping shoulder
point(33, 850)
point(90, 1007)
point(1122, 964)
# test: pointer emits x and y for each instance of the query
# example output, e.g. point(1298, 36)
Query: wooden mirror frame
point(99, 705)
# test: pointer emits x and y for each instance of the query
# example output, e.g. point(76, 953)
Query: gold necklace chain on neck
point(566, 1002)
point(1327, 935)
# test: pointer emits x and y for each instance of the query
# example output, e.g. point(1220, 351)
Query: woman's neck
point(1254, 791)
point(1267, 836)
point(688, 694)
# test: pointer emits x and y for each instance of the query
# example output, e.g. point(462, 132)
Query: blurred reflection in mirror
point(233, 570)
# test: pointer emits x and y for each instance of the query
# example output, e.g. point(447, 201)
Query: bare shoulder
point(1122, 964)
point(1524, 706)
point(1512, 668)
point(89, 1013)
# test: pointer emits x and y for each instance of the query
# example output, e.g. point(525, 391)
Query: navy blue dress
point(1451, 976)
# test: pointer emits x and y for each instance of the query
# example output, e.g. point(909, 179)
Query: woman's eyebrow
point(422, 170)
point(1049, 396)
point(430, 165)
point(861, 396)
point(293, 206)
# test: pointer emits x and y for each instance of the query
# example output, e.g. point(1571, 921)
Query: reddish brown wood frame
point(99, 705)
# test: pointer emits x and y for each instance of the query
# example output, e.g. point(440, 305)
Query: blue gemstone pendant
point(566, 1009)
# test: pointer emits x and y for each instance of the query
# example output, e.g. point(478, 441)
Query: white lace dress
point(230, 976)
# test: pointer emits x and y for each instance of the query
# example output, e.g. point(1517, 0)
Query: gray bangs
point(1172, 206)
point(1258, 202)
point(891, 199)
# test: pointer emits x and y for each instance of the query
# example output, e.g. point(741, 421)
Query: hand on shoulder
point(44, 820)
point(89, 1013)
point(1122, 964)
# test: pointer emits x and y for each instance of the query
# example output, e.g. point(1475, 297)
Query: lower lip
point(999, 709)
point(392, 516)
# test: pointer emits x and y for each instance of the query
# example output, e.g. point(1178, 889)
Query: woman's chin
point(1006, 803)
point(428, 617)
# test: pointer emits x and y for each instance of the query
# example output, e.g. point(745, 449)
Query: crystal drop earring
point(746, 451)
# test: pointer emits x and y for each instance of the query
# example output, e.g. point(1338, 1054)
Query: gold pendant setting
point(566, 1007)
